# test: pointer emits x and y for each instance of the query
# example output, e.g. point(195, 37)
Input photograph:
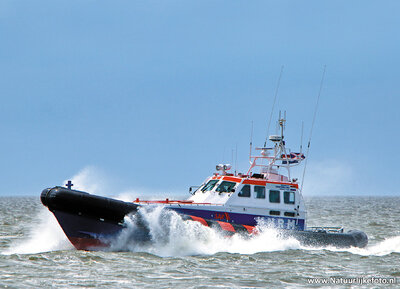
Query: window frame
point(288, 198)
point(231, 189)
point(242, 196)
point(204, 189)
point(256, 193)
point(279, 196)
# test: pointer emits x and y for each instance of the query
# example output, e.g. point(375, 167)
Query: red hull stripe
point(201, 220)
point(86, 243)
point(226, 226)
point(250, 229)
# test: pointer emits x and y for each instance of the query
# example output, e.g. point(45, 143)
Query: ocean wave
point(44, 236)
point(167, 234)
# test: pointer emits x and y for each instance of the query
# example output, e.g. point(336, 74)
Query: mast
point(276, 156)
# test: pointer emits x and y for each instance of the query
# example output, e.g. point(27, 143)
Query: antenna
point(236, 159)
point(232, 156)
point(251, 140)
point(301, 138)
point(312, 127)
point(273, 105)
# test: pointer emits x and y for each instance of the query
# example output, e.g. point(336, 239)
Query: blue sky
point(149, 95)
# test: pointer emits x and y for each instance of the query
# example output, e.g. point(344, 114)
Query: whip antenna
point(251, 140)
point(312, 127)
point(273, 105)
point(236, 159)
point(301, 138)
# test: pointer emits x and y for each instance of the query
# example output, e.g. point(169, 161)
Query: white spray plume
point(386, 247)
point(171, 236)
point(43, 237)
point(89, 179)
point(145, 194)
point(93, 180)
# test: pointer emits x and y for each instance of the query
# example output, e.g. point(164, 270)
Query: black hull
point(87, 233)
point(91, 221)
point(88, 221)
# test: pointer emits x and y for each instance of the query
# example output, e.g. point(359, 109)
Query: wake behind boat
point(229, 202)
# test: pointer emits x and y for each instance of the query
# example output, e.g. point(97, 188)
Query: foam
point(385, 247)
point(43, 237)
point(171, 236)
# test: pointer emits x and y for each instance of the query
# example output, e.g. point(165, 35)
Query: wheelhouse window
point(245, 191)
point(226, 187)
point(209, 186)
point(274, 196)
point(260, 192)
point(288, 197)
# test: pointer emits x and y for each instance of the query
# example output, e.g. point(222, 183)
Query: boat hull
point(87, 233)
point(91, 222)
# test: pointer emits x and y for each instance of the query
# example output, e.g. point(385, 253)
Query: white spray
point(169, 235)
point(43, 237)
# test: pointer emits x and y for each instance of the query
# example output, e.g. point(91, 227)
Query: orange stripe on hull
point(226, 226)
point(201, 220)
point(250, 229)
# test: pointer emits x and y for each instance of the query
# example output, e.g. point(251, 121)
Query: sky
point(148, 96)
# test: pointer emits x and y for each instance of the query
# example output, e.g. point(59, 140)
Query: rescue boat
point(229, 202)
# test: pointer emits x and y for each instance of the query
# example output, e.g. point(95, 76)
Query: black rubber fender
point(352, 238)
point(81, 203)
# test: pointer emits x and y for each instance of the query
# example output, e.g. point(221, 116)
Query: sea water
point(184, 254)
